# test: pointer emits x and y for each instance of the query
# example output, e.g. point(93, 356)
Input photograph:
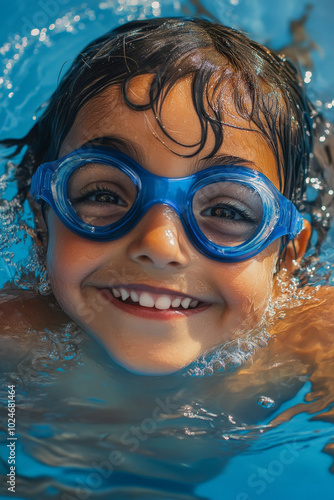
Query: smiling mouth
point(154, 301)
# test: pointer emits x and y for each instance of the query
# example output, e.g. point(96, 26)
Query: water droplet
point(265, 402)
point(317, 216)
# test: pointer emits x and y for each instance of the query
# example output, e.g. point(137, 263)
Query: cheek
point(69, 258)
point(247, 286)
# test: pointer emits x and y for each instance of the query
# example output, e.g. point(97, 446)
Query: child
point(167, 176)
point(174, 160)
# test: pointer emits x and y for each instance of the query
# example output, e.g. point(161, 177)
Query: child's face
point(156, 256)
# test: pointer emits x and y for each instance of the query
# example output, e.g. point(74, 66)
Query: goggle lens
point(100, 194)
point(228, 213)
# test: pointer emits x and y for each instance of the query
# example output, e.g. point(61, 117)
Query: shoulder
point(22, 314)
point(325, 292)
point(22, 309)
point(306, 327)
point(317, 304)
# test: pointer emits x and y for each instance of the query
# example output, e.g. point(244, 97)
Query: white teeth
point(185, 302)
point(163, 302)
point(146, 300)
point(115, 293)
point(134, 296)
point(124, 293)
point(176, 302)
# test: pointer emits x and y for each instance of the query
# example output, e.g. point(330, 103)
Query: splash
point(54, 351)
point(21, 261)
point(231, 355)
point(42, 27)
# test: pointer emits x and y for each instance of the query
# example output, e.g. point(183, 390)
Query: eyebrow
point(222, 160)
point(120, 144)
point(126, 146)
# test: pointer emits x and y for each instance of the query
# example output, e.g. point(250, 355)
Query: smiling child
point(170, 168)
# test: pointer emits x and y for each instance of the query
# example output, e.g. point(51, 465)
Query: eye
point(228, 212)
point(100, 194)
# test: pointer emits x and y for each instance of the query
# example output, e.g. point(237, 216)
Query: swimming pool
point(85, 427)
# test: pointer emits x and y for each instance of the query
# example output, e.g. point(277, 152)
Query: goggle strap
point(293, 221)
point(296, 223)
point(41, 181)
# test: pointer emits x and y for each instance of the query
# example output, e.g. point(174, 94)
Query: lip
point(152, 312)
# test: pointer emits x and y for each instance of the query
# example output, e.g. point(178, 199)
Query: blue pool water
point(86, 428)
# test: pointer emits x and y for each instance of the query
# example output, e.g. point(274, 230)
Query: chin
point(149, 366)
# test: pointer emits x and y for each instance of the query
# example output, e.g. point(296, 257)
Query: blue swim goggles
point(229, 213)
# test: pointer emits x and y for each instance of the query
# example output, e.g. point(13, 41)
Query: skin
point(157, 253)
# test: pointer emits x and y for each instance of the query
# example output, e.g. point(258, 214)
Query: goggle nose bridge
point(173, 192)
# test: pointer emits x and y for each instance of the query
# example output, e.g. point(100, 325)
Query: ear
point(40, 234)
point(297, 247)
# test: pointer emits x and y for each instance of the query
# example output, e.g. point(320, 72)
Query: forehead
point(163, 147)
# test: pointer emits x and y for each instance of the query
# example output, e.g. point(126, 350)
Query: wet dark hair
point(267, 90)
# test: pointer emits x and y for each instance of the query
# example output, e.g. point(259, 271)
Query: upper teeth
point(147, 299)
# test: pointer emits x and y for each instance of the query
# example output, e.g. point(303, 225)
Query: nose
point(159, 240)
